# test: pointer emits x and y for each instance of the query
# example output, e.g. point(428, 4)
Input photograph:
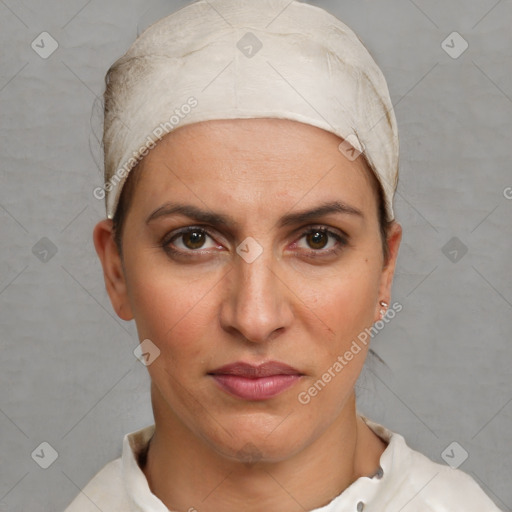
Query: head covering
point(229, 59)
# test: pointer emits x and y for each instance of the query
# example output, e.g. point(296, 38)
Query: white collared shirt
point(407, 481)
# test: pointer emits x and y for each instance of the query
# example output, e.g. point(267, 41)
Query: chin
point(257, 452)
point(259, 438)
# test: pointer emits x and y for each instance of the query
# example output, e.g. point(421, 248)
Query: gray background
point(68, 374)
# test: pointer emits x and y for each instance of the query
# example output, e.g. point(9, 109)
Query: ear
point(388, 271)
point(113, 271)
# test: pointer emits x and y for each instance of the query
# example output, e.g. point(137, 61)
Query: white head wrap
point(228, 59)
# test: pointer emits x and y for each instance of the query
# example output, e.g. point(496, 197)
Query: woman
point(251, 157)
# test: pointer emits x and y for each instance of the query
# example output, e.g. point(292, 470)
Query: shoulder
point(412, 482)
point(105, 491)
point(120, 484)
point(439, 488)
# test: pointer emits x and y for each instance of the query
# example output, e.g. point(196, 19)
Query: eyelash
point(313, 253)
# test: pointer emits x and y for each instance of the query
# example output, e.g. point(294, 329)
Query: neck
point(186, 473)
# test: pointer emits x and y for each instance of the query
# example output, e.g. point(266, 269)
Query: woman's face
point(252, 281)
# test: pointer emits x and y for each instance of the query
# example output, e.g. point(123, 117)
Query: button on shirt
point(406, 481)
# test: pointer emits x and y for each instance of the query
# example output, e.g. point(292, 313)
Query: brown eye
point(321, 241)
point(194, 239)
point(188, 240)
point(317, 239)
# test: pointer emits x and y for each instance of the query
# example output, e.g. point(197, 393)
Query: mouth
point(255, 382)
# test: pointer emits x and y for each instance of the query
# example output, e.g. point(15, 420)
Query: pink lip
point(251, 382)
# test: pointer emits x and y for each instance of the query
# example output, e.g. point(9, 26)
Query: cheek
point(345, 300)
point(173, 312)
point(346, 305)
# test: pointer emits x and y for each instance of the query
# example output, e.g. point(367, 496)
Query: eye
point(323, 240)
point(319, 240)
point(190, 239)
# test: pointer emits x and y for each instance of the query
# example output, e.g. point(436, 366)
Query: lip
point(255, 382)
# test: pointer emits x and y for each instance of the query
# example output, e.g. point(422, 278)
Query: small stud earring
point(384, 305)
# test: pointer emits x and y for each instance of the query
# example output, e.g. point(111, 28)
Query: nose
point(257, 305)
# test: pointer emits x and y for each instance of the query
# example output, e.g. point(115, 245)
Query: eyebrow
point(169, 209)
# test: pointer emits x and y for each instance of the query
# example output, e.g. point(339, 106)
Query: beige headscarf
point(228, 59)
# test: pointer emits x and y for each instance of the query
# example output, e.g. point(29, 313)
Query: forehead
point(253, 160)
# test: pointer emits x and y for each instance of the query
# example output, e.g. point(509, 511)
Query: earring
point(384, 305)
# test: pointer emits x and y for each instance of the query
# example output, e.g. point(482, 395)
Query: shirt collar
point(364, 491)
point(135, 481)
point(372, 490)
